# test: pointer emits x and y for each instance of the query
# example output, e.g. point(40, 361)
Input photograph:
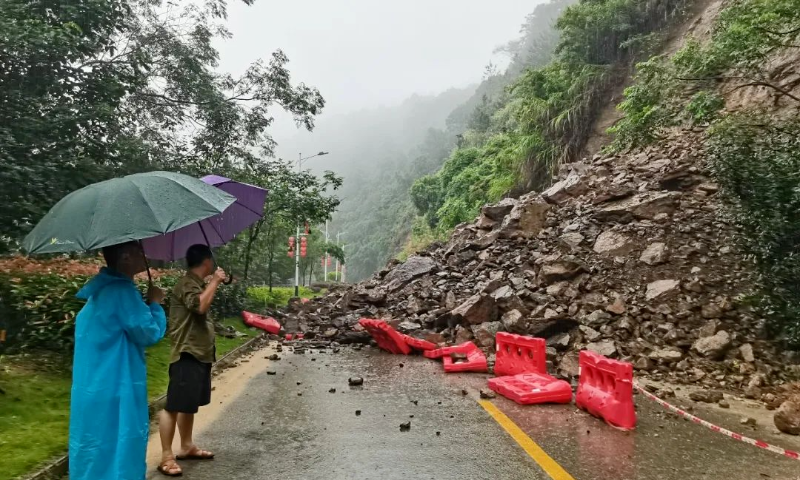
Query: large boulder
point(713, 347)
point(526, 219)
point(571, 186)
point(642, 206)
point(477, 309)
point(569, 366)
point(485, 333)
point(603, 347)
point(498, 211)
point(514, 321)
point(787, 417)
point(614, 244)
point(557, 270)
point(414, 267)
point(654, 254)
point(667, 355)
point(662, 289)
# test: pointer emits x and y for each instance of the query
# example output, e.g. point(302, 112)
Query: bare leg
point(166, 430)
point(185, 427)
point(188, 448)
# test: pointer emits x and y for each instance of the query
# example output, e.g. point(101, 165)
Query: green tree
point(98, 88)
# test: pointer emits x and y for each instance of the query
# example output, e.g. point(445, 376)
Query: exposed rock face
point(624, 255)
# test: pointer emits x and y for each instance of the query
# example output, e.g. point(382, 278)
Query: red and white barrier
point(717, 428)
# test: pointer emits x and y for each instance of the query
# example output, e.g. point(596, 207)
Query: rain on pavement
point(291, 425)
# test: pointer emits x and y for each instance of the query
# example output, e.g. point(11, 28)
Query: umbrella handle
point(147, 264)
point(229, 280)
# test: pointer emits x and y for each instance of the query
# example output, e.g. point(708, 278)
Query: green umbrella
point(124, 209)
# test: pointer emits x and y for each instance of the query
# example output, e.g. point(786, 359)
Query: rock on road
point(292, 426)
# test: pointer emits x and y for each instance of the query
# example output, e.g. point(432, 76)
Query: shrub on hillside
point(757, 162)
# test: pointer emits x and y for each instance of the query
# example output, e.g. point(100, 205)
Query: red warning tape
point(734, 435)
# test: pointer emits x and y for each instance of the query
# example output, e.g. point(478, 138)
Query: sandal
point(196, 454)
point(168, 467)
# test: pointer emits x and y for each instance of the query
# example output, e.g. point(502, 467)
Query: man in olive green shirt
point(193, 353)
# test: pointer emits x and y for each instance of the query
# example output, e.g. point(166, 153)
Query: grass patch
point(34, 412)
point(279, 296)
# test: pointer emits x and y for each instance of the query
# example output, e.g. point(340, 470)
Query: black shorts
point(189, 385)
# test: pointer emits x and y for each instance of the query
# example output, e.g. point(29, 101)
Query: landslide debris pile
point(626, 255)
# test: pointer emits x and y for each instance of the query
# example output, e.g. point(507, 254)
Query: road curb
point(60, 467)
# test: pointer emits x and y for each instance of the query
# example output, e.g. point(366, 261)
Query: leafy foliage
point(544, 116)
point(690, 85)
point(276, 297)
point(39, 310)
point(757, 162)
point(93, 89)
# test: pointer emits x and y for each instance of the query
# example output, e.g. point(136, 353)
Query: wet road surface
point(277, 429)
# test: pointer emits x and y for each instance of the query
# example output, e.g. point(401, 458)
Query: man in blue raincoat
point(109, 422)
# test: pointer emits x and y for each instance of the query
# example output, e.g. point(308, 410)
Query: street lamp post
point(300, 161)
point(325, 259)
point(338, 235)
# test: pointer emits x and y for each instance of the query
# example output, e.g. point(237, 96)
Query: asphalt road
point(290, 426)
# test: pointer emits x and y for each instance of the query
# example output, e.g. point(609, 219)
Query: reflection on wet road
point(292, 425)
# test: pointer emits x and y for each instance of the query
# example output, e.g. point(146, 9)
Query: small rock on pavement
point(404, 427)
point(332, 390)
point(787, 417)
point(707, 396)
point(355, 381)
point(487, 394)
point(749, 421)
point(358, 413)
point(274, 357)
point(271, 372)
point(724, 404)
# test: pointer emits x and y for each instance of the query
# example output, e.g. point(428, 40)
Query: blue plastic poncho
point(108, 426)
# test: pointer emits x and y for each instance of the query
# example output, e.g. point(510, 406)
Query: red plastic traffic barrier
point(532, 388)
point(288, 337)
point(519, 354)
point(441, 352)
point(605, 389)
point(298, 336)
point(476, 362)
point(417, 343)
point(387, 337)
point(267, 324)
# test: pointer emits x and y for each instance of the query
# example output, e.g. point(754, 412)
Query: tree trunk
point(253, 235)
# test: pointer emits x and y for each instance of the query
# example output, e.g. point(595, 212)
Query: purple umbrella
point(214, 231)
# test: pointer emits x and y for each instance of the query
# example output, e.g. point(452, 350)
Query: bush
point(229, 300)
point(757, 163)
point(39, 310)
point(261, 297)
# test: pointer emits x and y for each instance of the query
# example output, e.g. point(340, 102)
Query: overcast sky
point(367, 53)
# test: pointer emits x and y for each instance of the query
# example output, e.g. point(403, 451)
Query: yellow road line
point(550, 466)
